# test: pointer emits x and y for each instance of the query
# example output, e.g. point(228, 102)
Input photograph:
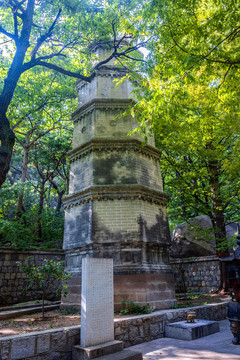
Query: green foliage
point(191, 104)
point(16, 234)
point(52, 226)
point(21, 233)
point(70, 311)
point(133, 308)
point(31, 200)
point(45, 276)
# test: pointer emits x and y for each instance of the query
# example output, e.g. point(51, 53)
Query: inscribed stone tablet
point(97, 302)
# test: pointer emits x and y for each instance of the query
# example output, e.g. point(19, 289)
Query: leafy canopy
point(191, 104)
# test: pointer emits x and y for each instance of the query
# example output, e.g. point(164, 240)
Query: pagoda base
point(153, 289)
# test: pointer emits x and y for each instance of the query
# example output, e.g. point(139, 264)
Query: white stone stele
point(97, 307)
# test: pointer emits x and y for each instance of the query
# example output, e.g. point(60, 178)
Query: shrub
point(45, 276)
point(133, 308)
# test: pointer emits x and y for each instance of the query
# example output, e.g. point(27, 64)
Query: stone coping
point(194, 259)
point(30, 310)
point(102, 103)
point(111, 192)
point(5, 249)
point(169, 311)
point(42, 332)
point(103, 144)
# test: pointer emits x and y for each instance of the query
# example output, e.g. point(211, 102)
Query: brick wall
point(13, 281)
point(201, 274)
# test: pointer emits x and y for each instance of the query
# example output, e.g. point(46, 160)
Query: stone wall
point(13, 281)
point(42, 345)
point(199, 274)
point(143, 328)
point(58, 343)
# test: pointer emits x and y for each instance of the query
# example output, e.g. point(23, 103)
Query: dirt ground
point(58, 319)
point(189, 300)
point(33, 322)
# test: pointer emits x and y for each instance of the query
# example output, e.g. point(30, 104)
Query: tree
point(44, 277)
point(191, 103)
point(32, 35)
point(48, 160)
point(50, 113)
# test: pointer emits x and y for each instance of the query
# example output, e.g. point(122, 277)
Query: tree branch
point(47, 57)
point(8, 34)
point(233, 34)
point(132, 58)
point(31, 64)
point(19, 141)
point(15, 24)
point(40, 107)
point(224, 78)
point(43, 38)
point(40, 135)
point(19, 4)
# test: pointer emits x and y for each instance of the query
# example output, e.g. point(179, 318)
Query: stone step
point(123, 355)
point(18, 312)
point(96, 351)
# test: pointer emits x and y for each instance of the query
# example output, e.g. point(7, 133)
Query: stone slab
point(80, 353)
point(14, 313)
point(123, 355)
point(191, 331)
point(97, 322)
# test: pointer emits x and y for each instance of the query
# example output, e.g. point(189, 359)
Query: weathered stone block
point(5, 348)
point(92, 352)
point(23, 347)
point(43, 343)
point(58, 340)
point(191, 331)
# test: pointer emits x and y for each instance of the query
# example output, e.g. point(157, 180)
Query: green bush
point(15, 234)
point(133, 308)
point(22, 233)
point(45, 276)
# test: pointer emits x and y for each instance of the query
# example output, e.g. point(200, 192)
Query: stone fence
point(13, 280)
point(199, 274)
point(58, 343)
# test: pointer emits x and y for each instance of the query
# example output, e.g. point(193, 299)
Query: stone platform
point(123, 355)
point(191, 331)
point(91, 352)
point(112, 350)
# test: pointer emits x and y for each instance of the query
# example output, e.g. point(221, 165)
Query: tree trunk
point(59, 203)
point(40, 209)
point(20, 208)
point(7, 140)
point(7, 137)
point(218, 218)
point(43, 295)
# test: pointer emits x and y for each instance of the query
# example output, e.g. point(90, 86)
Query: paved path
point(217, 346)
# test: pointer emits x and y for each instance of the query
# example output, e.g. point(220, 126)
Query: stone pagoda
point(116, 207)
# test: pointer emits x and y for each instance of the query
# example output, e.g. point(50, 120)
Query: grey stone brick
point(22, 347)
